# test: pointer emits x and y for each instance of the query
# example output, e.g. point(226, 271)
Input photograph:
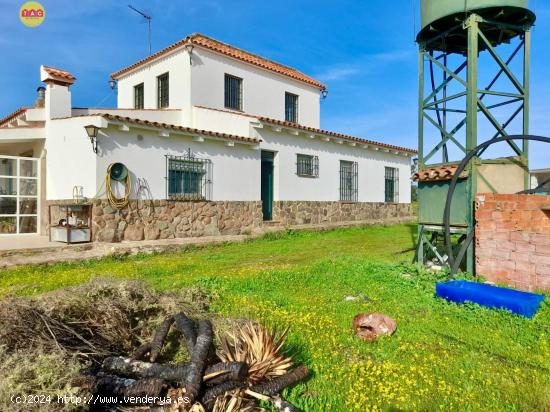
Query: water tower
point(473, 85)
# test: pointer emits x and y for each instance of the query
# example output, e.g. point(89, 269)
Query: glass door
point(19, 182)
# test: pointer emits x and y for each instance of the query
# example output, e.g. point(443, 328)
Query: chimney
point(40, 97)
point(57, 100)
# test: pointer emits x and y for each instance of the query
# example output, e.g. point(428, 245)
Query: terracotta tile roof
point(201, 40)
point(190, 130)
point(438, 174)
point(335, 134)
point(12, 116)
point(59, 73)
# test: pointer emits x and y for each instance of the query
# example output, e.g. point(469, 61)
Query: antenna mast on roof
point(147, 17)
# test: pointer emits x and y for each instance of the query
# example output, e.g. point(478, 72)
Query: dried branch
point(198, 360)
point(160, 336)
point(142, 351)
point(187, 328)
point(276, 385)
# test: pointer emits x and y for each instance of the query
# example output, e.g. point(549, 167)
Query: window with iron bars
point(391, 185)
point(188, 177)
point(291, 107)
point(307, 166)
point(139, 96)
point(348, 181)
point(162, 91)
point(233, 96)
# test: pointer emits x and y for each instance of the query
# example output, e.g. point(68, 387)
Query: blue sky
point(363, 50)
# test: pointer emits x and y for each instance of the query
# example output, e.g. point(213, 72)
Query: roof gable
point(201, 40)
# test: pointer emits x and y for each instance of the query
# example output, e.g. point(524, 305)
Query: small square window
point(307, 166)
point(291, 107)
point(163, 91)
point(233, 98)
point(139, 96)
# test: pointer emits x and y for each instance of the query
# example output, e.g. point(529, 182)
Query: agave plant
point(259, 348)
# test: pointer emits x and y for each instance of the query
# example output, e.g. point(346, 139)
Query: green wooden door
point(267, 185)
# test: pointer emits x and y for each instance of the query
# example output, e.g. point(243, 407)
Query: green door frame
point(267, 184)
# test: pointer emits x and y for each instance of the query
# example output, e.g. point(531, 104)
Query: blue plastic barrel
point(460, 291)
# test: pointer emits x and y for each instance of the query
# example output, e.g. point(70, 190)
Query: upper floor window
point(138, 96)
point(233, 92)
point(348, 181)
point(162, 91)
point(391, 185)
point(307, 166)
point(291, 107)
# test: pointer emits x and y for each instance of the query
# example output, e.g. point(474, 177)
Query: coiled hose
point(116, 202)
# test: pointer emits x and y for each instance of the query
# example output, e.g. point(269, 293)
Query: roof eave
point(338, 137)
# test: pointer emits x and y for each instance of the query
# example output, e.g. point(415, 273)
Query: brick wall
point(513, 240)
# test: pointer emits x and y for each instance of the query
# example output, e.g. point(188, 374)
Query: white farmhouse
point(215, 140)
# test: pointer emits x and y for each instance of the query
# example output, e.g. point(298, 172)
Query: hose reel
point(118, 172)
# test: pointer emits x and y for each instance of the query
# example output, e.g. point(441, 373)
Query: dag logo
point(32, 14)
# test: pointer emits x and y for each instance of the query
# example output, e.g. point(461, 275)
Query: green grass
point(442, 356)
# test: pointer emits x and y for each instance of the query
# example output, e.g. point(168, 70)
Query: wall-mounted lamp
point(324, 93)
point(189, 47)
point(112, 84)
point(92, 130)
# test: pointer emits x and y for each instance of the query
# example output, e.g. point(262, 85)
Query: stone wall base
point(164, 219)
point(306, 212)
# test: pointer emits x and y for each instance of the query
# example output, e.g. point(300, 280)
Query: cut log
point(276, 385)
point(142, 351)
point(146, 387)
point(209, 396)
point(141, 370)
point(129, 368)
point(198, 360)
point(160, 336)
point(117, 386)
point(224, 372)
point(187, 328)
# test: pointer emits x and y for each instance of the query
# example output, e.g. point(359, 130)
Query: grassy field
point(442, 357)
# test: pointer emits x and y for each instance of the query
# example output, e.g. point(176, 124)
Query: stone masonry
point(163, 219)
point(307, 212)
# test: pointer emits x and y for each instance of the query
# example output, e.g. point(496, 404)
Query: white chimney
point(58, 102)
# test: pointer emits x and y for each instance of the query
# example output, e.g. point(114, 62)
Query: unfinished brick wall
point(513, 240)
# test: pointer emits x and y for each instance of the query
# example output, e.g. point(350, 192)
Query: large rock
point(370, 326)
point(107, 235)
point(152, 233)
point(134, 233)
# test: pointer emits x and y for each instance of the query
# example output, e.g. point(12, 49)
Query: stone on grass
point(370, 326)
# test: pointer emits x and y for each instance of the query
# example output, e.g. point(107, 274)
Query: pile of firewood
point(249, 367)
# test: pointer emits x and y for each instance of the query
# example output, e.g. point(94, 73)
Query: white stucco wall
point(371, 168)
point(177, 65)
point(70, 160)
point(222, 121)
point(235, 172)
point(263, 90)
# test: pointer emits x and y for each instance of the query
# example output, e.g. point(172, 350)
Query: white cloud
point(364, 64)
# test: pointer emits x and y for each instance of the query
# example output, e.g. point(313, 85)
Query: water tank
point(439, 16)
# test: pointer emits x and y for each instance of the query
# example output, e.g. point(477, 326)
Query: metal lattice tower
point(454, 101)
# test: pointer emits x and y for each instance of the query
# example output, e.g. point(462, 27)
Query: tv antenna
point(148, 18)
